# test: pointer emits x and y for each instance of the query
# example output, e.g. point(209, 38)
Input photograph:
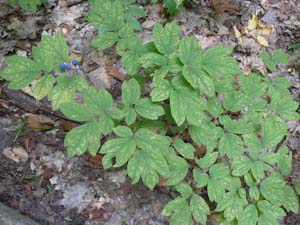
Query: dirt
point(52, 188)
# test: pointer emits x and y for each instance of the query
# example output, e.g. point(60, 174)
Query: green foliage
point(28, 5)
point(195, 98)
point(271, 60)
point(171, 5)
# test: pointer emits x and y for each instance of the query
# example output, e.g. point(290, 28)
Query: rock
point(9, 216)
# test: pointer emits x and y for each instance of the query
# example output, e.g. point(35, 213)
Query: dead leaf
point(262, 41)
point(222, 6)
point(95, 161)
point(252, 23)
point(17, 154)
point(296, 155)
point(113, 71)
point(39, 121)
point(66, 125)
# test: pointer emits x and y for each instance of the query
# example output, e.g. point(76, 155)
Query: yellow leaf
point(265, 31)
point(262, 41)
point(252, 23)
point(237, 32)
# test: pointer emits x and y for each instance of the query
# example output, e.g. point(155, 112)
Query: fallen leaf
point(296, 155)
point(113, 71)
point(222, 6)
point(252, 23)
point(39, 121)
point(262, 41)
point(200, 151)
point(66, 125)
point(95, 161)
point(17, 154)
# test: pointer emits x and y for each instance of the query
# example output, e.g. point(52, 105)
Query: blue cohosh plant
point(28, 5)
point(197, 98)
point(171, 5)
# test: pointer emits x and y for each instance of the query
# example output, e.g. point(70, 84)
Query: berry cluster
point(67, 66)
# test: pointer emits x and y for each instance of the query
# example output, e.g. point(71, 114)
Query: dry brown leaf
point(113, 71)
point(39, 121)
point(222, 6)
point(95, 161)
point(17, 154)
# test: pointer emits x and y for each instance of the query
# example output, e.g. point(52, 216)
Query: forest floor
point(37, 177)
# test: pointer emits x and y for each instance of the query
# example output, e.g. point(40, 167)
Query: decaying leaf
point(17, 154)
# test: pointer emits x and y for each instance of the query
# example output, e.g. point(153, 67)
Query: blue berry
point(68, 66)
point(75, 62)
point(63, 66)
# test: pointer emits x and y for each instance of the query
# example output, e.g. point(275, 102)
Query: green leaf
point(40, 56)
point(219, 170)
point(199, 209)
point(284, 161)
point(199, 79)
point(217, 61)
point(231, 204)
point(161, 89)
point(290, 201)
point(20, 71)
point(284, 105)
point(147, 164)
point(122, 149)
point(130, 116)
point(258, 170)
point(123, 131)
point(265, 220)
point(166, 38)
point(149, 110)
point(131, 92)
point(208, 160)
point(179, 211)
point(148, 139)
point(178, 168)
point(43, 87)
point(278, 57)
point(215, 189)
point(82, 138)
point(270, 210)
point(297, 186)
point(105, 40)
point(241, 165)
point(78, 112)
point(214, 107)
point(153, 59)
point(273, 130)
point(240, 126)
point(102, 103)
point(65, 89)
point(231, 145)
point(249, 216)
point(107, 15)
point(56, 49)
point(184, 189)
point(189, 51)
point(252, 85)
point(206, 134)
point(186, 104)
point(253, 143)
point(201, 179)
point(184, 149)
point(254, 193)
point(235, 101)
point(272, 189)
point(26, 5)
point(136, 11)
